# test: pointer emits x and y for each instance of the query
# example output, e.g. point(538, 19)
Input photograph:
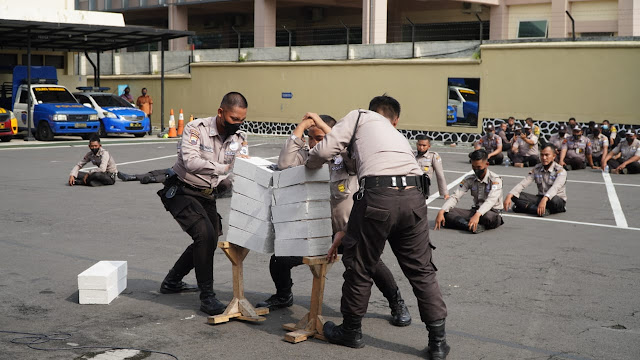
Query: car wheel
point(473, 119)
point(102, 132)
point(44, 132)
point(140, 134)
point(6, 138)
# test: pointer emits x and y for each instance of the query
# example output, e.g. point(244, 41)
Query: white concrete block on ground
point(254, 168)
point(250, 224)
point(251, 207)
point(303, 229)
point(307, 210)
point(251, 189)
point(301, 193)
point(102, 275)
point(300, 175)
point(260, 243)
point(302, 247)
point(102, 297)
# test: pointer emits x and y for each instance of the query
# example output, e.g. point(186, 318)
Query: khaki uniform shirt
point(378, 148)
point(556, 140)
point(627, 150)
point(102, 160)
point(490, 144)
point(487, 193)
point(525, 149)
point(550, 182)
point(598, 144)
point(144, 103)
point(343, 182)
point(577, 148)
point(203, 155)
point(430, 163)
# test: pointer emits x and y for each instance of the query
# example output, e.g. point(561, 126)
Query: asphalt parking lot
point(562, 287)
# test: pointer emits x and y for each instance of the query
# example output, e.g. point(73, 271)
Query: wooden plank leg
point(239, 308)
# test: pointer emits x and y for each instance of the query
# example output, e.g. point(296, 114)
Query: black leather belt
point(204, 191)
point(391, 181)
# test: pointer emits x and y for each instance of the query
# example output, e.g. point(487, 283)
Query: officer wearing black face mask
point(557, 139)
point(486, 189)
point(106, 172)
point(599, 145)
point(576, 151)
point(206, 154)
point(629, 150)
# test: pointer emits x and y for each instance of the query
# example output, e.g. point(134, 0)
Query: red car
point(8, 125)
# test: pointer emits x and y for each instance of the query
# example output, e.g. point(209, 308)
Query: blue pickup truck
point(55, 111)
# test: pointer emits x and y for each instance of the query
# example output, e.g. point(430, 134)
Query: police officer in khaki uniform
point(558, 138)
point(389, 205)
point(629, 161)
point(524, 151)
point(550, 178)
point(486, 189)
point(599, 146)
point(431, 163)
point(343, 183)
point(106, 172)
point(492, 143)
point(575, 151)
point(206, 154)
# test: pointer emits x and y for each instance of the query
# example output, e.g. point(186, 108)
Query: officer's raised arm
point(334, 142)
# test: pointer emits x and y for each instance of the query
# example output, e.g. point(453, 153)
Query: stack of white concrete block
point(301, 211)
point(250, 217)
point(102, 282)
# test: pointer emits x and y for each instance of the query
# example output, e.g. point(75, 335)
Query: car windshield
point(469, 95)
point(53, 95)
point(110, 100)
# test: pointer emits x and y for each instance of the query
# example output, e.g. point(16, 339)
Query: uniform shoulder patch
point(194, 136)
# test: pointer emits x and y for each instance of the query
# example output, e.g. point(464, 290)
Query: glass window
point(23, 97)
point(532, 29)
point(83, 99)
point(53, 95)
point(453, 95)
point(110, 100)
point(36, 60)
point(56, 61)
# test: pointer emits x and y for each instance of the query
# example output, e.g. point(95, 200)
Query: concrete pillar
point(264, 23)
point(499, 29)
point(374, 21)
point(559, 19)
point(629, 18)
point(178, 20)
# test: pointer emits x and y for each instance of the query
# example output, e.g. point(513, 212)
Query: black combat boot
point(208, 302)
point(277, 301)
point(148, 179)
point(173, 283)
point(399, 313)
point(126, 177)
point(438, 347)
point(348, 334)
point(533, 209)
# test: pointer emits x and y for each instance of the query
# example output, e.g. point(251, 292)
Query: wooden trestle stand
point(239, 308)
point(312, 323)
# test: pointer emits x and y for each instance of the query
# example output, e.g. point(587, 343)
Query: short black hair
point(423, 137)
point(479, 154)
point(329, 120)
point(527, 119)
point(591, 123)
point(550, 146)
point(511, 117)
point(143, 89)
point(234, 99)
point(572, 118)
point(94, 138)
point(607, 121)
point(386, 106)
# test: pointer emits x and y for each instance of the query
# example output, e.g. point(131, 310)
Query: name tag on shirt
point(206, 148)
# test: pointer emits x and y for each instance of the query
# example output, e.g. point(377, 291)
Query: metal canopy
point(79, 37)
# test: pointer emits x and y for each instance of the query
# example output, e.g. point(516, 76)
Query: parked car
point(8, 125)
point(117, 115)
point(465, 101)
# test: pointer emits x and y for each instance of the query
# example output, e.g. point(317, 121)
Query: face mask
point(528, 131)
point(95, 151)
point(605, 127)
point(630, 140)
point(490, 134)
point(420, 153)
point(479, 173)
point(562, 134)
point(231, 128)
point(576, 137)
point(144, 94)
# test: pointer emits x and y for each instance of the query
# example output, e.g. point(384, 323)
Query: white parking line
point(559, 221)
point(452, 184)
point(618, 214)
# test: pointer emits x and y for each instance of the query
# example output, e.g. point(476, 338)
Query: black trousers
point(198, 217)
point(97, 178)
point(597, 159)
point(155, 176)
point(530, 160)
point(633, 168)
point(496, 159)
point(491, 220)
point(576, 163)
point(400, 217)
point(525, 204)
point(280, 269)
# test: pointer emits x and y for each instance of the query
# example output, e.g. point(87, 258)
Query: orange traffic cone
point(172, 125)
point(180, 123)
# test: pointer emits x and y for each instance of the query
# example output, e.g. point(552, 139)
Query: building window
point(56, 61)
point(532, 29)
point(36, 60)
